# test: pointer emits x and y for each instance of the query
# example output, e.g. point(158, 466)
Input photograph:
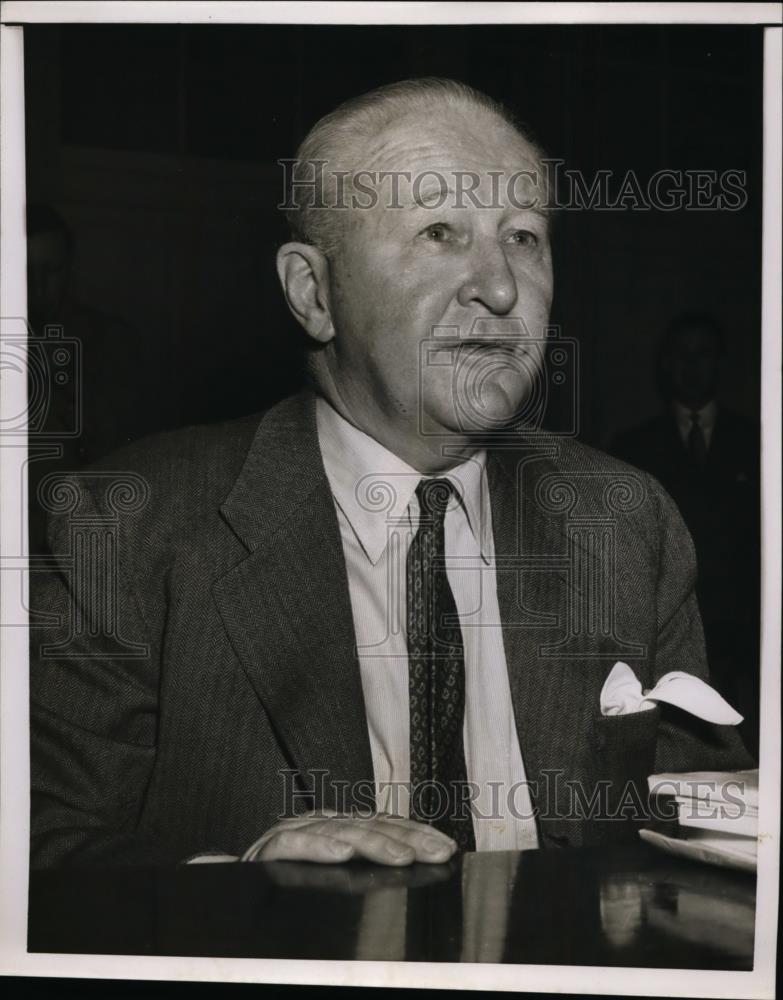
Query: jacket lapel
point(286, 606)
point(549, 692)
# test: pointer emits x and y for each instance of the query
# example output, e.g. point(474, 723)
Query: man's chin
point(494, 412)
point(500, 404)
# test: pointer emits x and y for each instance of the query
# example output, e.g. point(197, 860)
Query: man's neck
point(428, 455)
point(694, 406)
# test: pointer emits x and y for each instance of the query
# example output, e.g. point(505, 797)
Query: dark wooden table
point(621, 907)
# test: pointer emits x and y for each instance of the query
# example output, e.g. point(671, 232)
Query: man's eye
point(523, 237)
point(438, 232)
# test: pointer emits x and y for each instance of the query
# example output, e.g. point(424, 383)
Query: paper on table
point(726, 851)
point(737, 825)
point(730, 837)
point(715, 787)
point(622, 694)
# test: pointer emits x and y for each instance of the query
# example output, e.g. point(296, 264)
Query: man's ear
point(304, 274)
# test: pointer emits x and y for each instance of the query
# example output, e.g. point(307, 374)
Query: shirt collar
point(373, 487)
point(707, 415)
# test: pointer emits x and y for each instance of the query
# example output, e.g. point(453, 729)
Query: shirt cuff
point(209, 858)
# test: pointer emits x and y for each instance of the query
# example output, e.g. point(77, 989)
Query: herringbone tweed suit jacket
point(179, 703)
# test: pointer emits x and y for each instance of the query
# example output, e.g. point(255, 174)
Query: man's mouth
point(512, 348)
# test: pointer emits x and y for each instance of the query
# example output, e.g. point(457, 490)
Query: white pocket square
point(622, 694)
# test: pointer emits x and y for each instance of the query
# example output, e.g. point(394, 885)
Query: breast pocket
point(631, 732)
point(619, 758)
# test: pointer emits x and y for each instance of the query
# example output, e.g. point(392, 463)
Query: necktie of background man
point(436, 676)
point(697, 442)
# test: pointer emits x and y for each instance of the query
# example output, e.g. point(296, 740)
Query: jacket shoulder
point(190, 466)
point(159, 490)
point(565, 454)
point(604, 485)
point(576, 455)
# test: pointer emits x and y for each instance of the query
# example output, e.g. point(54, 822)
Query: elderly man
point(384, 619)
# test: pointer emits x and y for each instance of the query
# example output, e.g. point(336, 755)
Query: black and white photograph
point(390, 443)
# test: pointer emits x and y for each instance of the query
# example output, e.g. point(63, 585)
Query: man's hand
point(329, 837)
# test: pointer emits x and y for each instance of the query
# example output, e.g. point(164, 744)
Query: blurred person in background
point(100, 398)
point(706, 456)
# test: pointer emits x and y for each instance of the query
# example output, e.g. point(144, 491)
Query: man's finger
point(305, 845)
point(429, 844)
point(368, 840)
point(382, 838)
point(414, 824)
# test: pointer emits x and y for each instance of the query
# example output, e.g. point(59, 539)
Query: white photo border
point(14, 716)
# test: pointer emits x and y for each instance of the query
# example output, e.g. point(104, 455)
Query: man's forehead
point(454, 160)
point(469, 140)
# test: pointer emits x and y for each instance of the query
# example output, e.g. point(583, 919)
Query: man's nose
point(490, 282)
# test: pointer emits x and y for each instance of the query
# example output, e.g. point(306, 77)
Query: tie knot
point(434, 496)
point(695, 418)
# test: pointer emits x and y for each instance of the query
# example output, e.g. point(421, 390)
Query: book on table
point(717, 816)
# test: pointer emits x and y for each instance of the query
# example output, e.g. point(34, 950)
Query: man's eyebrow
point(540, 207)
point(438, 195)
point(431, 193)
point(542, 211)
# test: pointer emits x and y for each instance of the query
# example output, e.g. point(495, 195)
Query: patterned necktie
point(697, 443)
point(436, 676)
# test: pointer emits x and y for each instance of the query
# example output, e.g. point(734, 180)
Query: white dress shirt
point(377, 511)
point(707, 415)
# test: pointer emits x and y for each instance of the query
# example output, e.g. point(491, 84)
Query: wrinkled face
point(439, 301)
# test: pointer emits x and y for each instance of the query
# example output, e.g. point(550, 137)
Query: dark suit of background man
point(285, 639)
point(707, 458)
